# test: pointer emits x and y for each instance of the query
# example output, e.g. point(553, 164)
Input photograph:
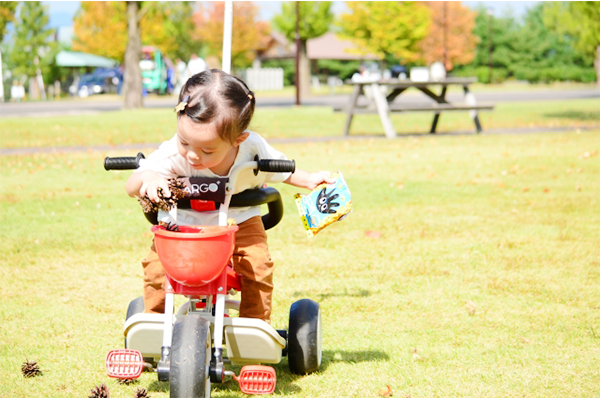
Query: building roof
point(78, 59)
point(330, 46)
point(326, 47)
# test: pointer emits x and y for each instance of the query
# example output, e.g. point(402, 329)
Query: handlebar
point(248, 198)
point(264, 165)
point(123, 162)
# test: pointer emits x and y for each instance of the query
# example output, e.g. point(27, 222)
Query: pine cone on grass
point(141, 393)
point(30, 369)
point(176, 186)
point(99, 392)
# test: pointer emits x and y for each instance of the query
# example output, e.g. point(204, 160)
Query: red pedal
point(257, 379)
point(124, 364)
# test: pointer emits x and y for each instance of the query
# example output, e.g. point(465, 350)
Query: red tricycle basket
point(196, 255)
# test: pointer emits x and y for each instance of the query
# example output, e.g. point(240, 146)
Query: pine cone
point(141, 393)
point(176, 186)
point(30, 369)
point(99, 392)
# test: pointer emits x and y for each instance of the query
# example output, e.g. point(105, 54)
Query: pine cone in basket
point(99, 392)
point(30, 369)
point(176, 186)
point(141, 393)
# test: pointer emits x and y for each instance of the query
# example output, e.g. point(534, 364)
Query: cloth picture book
point(326, 204)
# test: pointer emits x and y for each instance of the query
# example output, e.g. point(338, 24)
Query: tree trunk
point(597, 65)
point(132, 84)
point(304, 66)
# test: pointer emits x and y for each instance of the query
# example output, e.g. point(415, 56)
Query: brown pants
point(251, 259)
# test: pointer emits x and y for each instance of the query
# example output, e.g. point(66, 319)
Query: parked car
point(102, 80)
point(399, 71)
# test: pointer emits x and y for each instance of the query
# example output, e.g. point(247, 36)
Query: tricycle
point(191, 348)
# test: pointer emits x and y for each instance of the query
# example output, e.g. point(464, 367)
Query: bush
point(499, 75)
point(288, 66)
point(555, 74)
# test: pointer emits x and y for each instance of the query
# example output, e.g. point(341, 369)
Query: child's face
point(202, 147)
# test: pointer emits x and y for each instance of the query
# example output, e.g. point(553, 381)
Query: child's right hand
point(151, 182)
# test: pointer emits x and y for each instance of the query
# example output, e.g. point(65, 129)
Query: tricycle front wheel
point(190, 354)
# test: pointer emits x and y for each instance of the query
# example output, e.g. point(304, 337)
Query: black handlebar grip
point(123, 162)
point(275, 165)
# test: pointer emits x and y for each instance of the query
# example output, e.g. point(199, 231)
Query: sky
point(62, 12)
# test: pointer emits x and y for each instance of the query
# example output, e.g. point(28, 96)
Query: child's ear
point(241, 138)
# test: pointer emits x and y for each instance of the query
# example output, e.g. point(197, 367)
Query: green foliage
point(31, 40)
point(503, 36)
point(315, 19)
point(482, 73)
point(386, 28)
point(579, 20)
point(341, 69)
point(7, 15)
point(288, 66)
point(532, 50)
point(179, 25)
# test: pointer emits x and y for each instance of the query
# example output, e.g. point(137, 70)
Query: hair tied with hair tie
point(181, 106)
point(250, 96)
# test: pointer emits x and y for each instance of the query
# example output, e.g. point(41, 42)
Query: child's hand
point(316, 178)
point(151, 182)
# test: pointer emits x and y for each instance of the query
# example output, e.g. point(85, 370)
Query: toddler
point(213, 114)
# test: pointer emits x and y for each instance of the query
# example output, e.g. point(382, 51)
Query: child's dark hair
point(214, 96)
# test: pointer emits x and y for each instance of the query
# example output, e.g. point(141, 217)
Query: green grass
point(509, 223)
point(154, 125)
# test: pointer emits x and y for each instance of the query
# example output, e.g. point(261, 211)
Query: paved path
point(100, 104)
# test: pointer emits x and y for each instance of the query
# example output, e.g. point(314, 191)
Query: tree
point(498, 38)
point(248, 34)
point(387, 28)
point(7, 15)
point(100, 27)
point(450, 39)
point(170, 26)
point(32, 53)
point(315, 19)
point(579, 20)
point(133, 75)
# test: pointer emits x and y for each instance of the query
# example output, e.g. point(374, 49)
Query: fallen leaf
point(546, 190)
point(373, 234)
point(471, 307)
point(526, 189)
point(385, 392)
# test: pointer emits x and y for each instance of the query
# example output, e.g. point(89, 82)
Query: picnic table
point(383, 104)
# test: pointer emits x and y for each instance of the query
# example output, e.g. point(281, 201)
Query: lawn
point(468, 268)
point(154, 125)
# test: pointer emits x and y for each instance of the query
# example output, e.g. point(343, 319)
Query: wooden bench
point(384, 105)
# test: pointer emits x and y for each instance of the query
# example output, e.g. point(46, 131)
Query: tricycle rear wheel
point(305, 337)
point(190, 354)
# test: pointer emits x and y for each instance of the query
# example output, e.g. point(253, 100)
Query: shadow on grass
point(576, 115)
point(323, 296)
point(286, 381)
point(157, 386)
